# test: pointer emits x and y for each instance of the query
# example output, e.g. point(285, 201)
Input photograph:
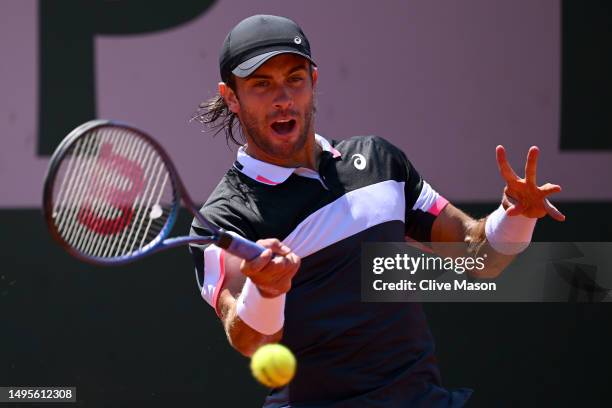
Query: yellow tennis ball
point(273, 365)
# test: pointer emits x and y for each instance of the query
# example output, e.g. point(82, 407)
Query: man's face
point(275, 106)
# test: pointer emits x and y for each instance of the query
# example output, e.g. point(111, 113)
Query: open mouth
point(283, 127)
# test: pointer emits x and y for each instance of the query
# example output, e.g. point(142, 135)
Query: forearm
point(456, 234)
point(241, 336)
point(251, 304)
point(478, 246)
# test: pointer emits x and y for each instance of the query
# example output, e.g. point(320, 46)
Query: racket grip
point(239, 246)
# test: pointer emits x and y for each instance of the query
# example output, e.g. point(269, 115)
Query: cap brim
point(249, 66)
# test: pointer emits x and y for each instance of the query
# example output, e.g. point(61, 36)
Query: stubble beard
point(255, 130)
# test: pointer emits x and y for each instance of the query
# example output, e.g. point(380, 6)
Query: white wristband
point(265, 315)
point(509, 235)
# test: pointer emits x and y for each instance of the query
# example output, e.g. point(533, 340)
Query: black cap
point(258, 38)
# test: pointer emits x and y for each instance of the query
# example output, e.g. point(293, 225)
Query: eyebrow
point(301, 66)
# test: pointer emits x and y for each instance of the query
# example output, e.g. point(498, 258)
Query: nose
point(283, 99)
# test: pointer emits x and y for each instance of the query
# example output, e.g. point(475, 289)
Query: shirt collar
point(272, 174)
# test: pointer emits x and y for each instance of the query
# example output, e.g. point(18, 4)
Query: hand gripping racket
point(111, 196)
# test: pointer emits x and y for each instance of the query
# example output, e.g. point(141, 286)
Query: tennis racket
point(112, 195)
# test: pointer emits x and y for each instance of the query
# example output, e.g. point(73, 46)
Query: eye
point(261, 83)
point(296, 79)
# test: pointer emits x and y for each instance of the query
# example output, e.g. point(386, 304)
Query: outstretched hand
point(522, 195)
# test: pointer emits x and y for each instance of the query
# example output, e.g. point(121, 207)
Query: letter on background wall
point(67, 28)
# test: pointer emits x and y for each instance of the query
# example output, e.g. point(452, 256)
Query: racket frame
point(234, 244)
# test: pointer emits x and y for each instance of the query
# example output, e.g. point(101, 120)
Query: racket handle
point(239, 246)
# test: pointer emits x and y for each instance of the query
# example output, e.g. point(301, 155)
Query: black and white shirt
point(349, 353)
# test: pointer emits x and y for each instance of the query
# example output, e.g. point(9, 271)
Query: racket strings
point(82, 170)
point(154, 169)
point(113, 197)
point(117, 247)
point(148, 228)
point(66, 187)
point(95, 206)
point(86, 209)
point(103, 210)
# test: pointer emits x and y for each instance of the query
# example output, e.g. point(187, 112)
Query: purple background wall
point(446, 81)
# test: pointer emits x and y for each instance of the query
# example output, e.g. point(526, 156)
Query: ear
point(315, 76)
point(229, 96)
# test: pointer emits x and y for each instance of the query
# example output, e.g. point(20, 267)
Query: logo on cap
point(297, 40)
point(359, 161)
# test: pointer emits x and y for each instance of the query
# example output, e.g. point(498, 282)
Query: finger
point(549, 188)
point(288, 262)
point(268, 242)
point(280, 249)
point(532, 164)
point(275, 245)
point(502, 163)
point(553, 212)
point(294, 260)
point(280, 269)
point(283, 249)
point(255, 265)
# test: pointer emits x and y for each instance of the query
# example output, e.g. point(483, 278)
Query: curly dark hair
point(215, 114)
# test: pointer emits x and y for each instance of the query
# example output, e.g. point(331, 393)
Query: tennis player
point(312, 202)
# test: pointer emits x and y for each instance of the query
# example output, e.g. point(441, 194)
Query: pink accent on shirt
point(265, 180)
point(219, 283)
point(438, 206)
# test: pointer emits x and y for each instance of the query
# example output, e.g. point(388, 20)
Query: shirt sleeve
point(208, 259)
point(423, 202)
